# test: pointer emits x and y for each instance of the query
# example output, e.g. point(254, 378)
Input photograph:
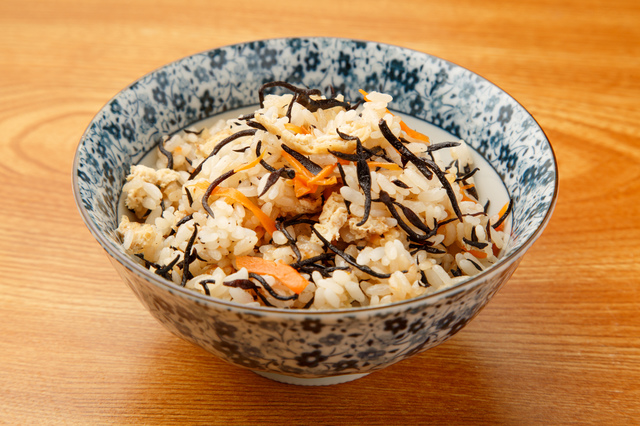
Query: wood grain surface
point(559, 344)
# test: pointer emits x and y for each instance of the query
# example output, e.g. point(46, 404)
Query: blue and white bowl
point(323, 347)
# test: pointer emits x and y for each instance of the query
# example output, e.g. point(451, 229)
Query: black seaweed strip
point(379, 151)
point(467, 175)
point(248, 285)
point(249, 116)
point(486, 206)
point(241, 283)
point(220, 145)
point(269, 289)
point(386, 199)
point(505, 215)
point(350, 260)
point(187, 255)
point(290, 108)
point(306, 162)
point(262, 162)
point(456, 272)
point(184, 220)
point(147, 263)
point(362, 171)
point(189, 197)
point(204, 285)
point(292, 241)
point(196, 255)
point(364, 179)
point(256, 125)
point(166, 153)
point(423, 280)
point(242, 149)
point(212, 186)
point(309, 303)
point(357, 104)
point(194, 132)
point(344, 156)
point(427, 248)
point(163, 271)
point(415, 219)
point(474, 235)
point(478, 267)
point(400, 183)
point(342, 175)
point(271, 180)
point(320, 258)
point(315, 104)
point(346, 136)
point(441, 145)
point(471, 191)
point(291, 87)
point(476, 244)
point(447, 186)
point(488, 231)
point(264, 299)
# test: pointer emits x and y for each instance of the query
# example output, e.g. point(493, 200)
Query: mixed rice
point(310, 202)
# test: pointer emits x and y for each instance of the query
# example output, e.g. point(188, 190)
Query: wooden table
point(560, 343)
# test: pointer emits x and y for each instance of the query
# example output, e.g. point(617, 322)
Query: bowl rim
point(127, 261)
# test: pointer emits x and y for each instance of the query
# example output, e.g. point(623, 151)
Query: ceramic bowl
point(321, 347)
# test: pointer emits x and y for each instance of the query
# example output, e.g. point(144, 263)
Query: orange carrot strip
point(414, 134)
point(281, 271)
point(301, 187)
point(238, 196)
point(299, 168)
point(365, 94)
point(503, 210)
point(470, 185)
point(479, 254)
point(324, 173)
point(296, 129)
point(251, 164)
point(389, 166)
point(344, 162)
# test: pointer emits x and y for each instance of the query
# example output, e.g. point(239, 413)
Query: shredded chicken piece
point(140, 238)
point(333, 217)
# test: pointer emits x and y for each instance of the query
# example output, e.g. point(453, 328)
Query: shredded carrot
point(503, 210)
point(389, 166)
point(281, 271)
point(413, 133)
point(235, 195)
point(251, 164)
point(477, 253)
point(324, 173)
point(365, 94)
point(301, 187)
point(344, 162)
point(299, 168)
point(465, 197)
point(296, 129)
point(470, 185)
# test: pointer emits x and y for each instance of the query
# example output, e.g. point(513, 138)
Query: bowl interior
point(428, 88)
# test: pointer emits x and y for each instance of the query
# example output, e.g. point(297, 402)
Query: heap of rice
point(337, 260)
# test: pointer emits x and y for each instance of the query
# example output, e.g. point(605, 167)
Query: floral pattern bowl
point(321, 347)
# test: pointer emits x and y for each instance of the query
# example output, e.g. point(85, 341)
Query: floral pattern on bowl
point(322, 344)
